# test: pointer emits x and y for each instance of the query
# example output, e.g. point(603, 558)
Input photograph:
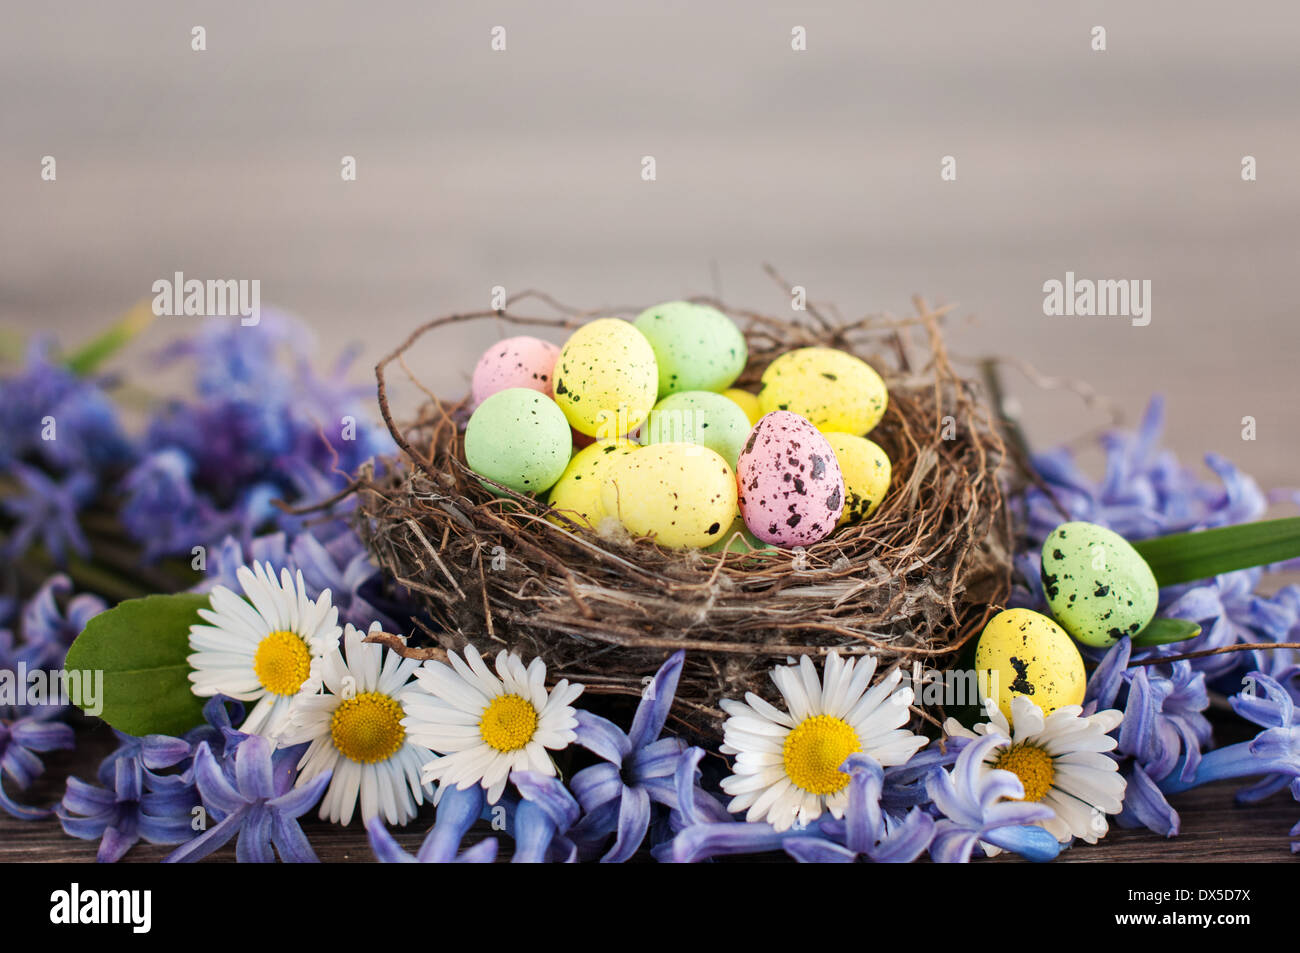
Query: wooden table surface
point(1214, 828)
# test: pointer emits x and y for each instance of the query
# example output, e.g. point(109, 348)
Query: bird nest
point(910, 585)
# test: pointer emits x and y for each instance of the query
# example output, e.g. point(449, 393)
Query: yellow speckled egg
point(578, 493)
point(1022, 652)
point(834, 390)
point(683, 495)
point(748, 403)
point(866, 469)
point(606, 378)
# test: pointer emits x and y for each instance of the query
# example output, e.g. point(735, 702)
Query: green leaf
point(1164, 631)
point(90, 356)
point(141, 646)
point(1187, 557)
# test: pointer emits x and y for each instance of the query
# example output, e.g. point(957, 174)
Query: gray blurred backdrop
point(522, 168)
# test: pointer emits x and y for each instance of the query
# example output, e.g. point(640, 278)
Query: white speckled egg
point(791, 487)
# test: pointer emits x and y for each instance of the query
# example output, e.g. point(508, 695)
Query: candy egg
point(578, 493)
point(606, 378)
point(791, 487)
point(866, 469)
point(748, 403)
point(697, 347)
point(520, 439)
point(1022, 652)
point(738, 540)
point(681, 494)
point(834, 390)
point(702, 417)
point(515, 362)
point(1098, 586)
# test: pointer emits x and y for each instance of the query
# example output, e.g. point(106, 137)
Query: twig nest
point(595, 584)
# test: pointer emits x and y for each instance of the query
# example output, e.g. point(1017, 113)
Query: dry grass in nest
point(910, 585)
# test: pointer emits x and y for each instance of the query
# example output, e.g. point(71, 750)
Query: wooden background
point(522, 169)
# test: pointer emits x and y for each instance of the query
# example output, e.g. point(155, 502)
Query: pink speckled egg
point(791, 490)
point(515, 362)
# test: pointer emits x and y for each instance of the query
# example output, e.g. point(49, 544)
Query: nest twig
point(912, 584)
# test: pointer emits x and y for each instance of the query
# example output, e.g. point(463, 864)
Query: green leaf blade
point(141, 647)
point(1165, 631)
point(1203, 554)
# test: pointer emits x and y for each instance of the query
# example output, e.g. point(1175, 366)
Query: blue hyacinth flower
point(638, 768)
point(866, 830)
point(137, 806)
point(261, 805)
point(981, 806)
point(458, 811)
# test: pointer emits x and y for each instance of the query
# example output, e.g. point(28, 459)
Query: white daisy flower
point(261, 649)
point(1060, 760)
point(486, 725)
point(355, 730)
point(787, 766)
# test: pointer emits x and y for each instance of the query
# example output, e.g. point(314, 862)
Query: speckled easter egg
point(520, 439)
point(746, 401)
point(606, 378)
point(515, 362)
point(791, 487)
point(702, 417)
point(1022, 652)
point(697, 347)
point(1098, 586)
point(866, 469)
point(834, 390)
point(682, 494)
point(578, 493)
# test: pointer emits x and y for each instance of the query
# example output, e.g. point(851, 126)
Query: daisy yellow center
point(368, 728)
point(814, 751)
point(508, 723)
point(1032, 765)
point(282, 663)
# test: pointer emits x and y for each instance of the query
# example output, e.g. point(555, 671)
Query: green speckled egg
point(834, 390)
point(606, 378)
point(746, 401)
point(1022, 652)
point(1098, 586)
point(697, 347)
point(739, 541)
point(702, 417)
point(520, 439)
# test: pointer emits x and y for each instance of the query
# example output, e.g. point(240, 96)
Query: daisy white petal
point(484, 726)
point(1059, 762)
point(260, 649)
point(359, 733)
point(787, 763)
